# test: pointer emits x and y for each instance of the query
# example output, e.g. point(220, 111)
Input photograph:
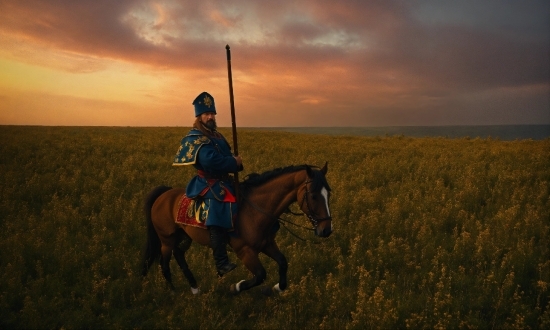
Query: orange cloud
point(295, 63)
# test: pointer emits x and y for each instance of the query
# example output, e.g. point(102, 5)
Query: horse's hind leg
point(166, 254)
point(179, 254)
point(272, 251)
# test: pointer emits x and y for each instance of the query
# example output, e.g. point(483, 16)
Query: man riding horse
point(212, 187)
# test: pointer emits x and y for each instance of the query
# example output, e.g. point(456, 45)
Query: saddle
point(189, 213)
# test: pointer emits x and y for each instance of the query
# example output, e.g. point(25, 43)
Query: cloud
point(368, 59)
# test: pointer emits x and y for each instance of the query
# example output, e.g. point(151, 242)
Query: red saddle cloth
point(186, 213)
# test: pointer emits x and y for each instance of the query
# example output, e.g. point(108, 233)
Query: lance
point(233, 123)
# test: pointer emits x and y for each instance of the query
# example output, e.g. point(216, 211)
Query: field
point(428, 233)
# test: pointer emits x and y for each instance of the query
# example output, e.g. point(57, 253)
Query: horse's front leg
point(250, 259)
point(272, 251)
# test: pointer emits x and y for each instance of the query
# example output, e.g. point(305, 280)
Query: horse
point(262, 199)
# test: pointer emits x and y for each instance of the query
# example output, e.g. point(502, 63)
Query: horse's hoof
point(236, 288)
point(233, 289)
point(277, 288)
point(195, 291)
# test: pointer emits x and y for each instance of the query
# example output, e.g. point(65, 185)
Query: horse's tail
point(152, 248)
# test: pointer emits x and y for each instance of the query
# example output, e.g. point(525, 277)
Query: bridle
point(314, 221)
point(311, 215)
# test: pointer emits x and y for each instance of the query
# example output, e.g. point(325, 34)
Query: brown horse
point(262, 200)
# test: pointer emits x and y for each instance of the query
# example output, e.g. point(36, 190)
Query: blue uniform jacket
point(213, 157)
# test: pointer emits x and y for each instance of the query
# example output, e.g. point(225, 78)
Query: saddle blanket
point(189, 213)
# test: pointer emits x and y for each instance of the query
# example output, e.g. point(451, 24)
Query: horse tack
point(186, 213)
point(310, 215)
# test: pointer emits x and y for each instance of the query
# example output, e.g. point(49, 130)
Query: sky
point(295, 63)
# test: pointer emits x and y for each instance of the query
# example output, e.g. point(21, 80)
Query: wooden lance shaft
point(233, 123)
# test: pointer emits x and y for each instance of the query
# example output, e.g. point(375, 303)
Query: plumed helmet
point(204, 103)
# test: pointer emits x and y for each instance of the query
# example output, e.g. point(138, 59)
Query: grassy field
point(429, 233)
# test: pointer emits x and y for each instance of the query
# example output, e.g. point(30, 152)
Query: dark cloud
point(394, 58)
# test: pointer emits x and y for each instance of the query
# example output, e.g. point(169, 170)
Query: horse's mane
point(254, 179)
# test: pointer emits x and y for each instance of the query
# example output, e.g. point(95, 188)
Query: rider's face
point(209, 119)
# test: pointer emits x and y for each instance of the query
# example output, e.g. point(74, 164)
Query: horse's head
point(315, 201)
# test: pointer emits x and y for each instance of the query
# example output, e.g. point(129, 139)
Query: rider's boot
point(218, 242)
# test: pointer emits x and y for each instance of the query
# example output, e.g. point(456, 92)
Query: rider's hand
point(239, 160)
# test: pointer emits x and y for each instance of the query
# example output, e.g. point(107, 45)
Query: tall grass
point(429, 233)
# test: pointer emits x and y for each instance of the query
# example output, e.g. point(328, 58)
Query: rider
point(209, 152)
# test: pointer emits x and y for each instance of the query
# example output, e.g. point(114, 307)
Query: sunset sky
point(295, 62)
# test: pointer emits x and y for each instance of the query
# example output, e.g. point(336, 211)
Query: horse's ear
point(325, 169)
point(309, 171)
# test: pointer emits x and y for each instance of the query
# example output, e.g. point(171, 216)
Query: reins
point(283, 222)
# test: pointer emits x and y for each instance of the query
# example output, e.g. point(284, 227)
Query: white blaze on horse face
point(324, 192)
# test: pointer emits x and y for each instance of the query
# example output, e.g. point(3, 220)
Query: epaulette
point(189, 148)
